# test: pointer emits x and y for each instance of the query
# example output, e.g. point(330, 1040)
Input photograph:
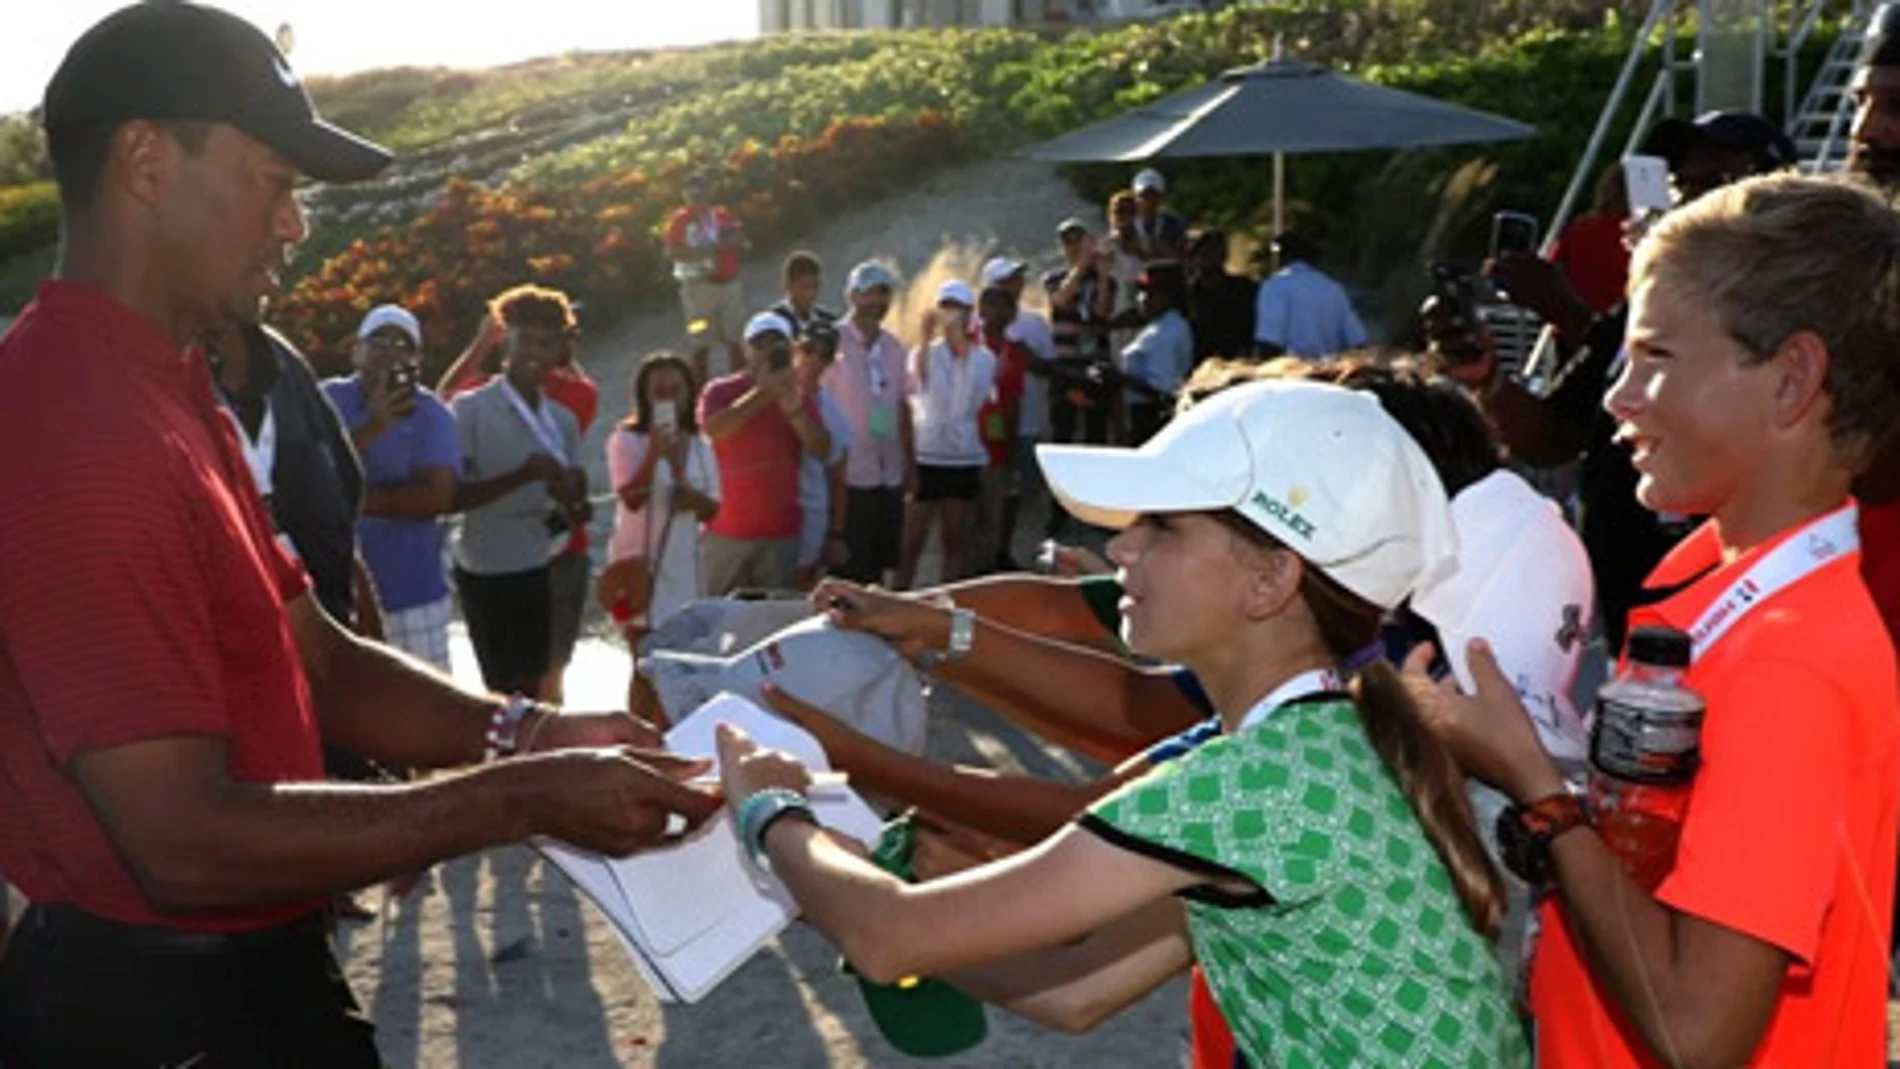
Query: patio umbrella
point(1275, 108)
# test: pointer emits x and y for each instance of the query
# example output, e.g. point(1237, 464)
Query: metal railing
point(1661, 95)
point(1804, 19)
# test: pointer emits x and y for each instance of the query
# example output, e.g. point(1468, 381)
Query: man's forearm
point(727, 421)
point(1022, 809)
point(389, 707)
point(1527, 424)
point(293, 842)
point(420, 500)
point(467, 365)
point(476, 494)
point(1044, 606)
point(1088, 701)
point(365, 436)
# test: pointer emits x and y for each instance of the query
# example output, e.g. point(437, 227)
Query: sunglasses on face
point(393, 343)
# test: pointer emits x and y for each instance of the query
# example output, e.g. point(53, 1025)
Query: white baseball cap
point(391, 315)
point(1323, 469)
point(1148, 178)
point(869, 275)
point(1000, 269)
point(956, 291)
point(768, 323)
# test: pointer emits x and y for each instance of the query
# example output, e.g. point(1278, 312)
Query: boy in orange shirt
point(1759, 382)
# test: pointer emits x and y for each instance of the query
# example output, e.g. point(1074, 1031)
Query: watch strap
point(1533, 826)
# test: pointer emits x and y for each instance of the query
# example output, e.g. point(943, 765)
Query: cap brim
point(1670, 138)
point(1112, 488)
point(323, 151)
point(928, 1020)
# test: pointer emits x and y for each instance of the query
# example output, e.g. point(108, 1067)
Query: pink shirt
point(758, 466)
point(869, 384)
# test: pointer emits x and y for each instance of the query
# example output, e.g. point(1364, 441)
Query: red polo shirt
point(141, 594)
point(1790, 831)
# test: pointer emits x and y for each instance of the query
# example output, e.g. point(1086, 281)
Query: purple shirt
point(870, 385)
point(404, 555)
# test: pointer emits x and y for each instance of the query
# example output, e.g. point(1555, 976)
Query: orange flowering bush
point(599, 239)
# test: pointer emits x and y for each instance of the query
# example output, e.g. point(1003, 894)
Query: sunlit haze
point(341, 36)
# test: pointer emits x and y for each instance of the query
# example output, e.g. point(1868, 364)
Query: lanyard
point(1803, 553)
point(540, 422)
point(1304, 685)
point(874, 377)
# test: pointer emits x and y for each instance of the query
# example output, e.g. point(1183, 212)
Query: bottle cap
point(1664, 647)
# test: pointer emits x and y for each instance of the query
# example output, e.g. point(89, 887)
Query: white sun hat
point(1322, 469)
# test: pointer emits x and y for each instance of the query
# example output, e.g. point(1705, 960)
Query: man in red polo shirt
point(1759, 384)
point(165, 675)
point(759, 423)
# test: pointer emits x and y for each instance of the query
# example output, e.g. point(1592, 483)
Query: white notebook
point(690, 914)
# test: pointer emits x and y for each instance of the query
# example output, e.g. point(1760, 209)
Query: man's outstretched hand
point(614, 801)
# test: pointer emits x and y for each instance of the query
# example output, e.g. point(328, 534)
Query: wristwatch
point(1526, 831)
point(962, 634)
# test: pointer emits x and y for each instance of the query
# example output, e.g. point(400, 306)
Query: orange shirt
point(1790, 831)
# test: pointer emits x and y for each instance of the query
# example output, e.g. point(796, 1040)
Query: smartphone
point(666, 417)
point(401, 383)
point(1513, 233)
point(1646, 183)
point(779, 358)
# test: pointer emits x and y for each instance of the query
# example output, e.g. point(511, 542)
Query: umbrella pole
point(1279, 199)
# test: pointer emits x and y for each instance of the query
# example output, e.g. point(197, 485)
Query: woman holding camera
point(667, 481)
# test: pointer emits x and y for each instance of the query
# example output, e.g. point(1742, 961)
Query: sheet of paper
point(693, 913)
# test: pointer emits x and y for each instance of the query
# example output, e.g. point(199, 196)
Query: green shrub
point(29, 218)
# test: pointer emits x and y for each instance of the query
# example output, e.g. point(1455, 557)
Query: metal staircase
point(1819, 125)
point(1819, 122)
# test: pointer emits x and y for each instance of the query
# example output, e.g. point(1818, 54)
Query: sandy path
point(500, 963)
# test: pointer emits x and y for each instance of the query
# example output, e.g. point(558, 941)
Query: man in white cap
point(953, 375)
point(872, 388)
point(759, 424)
point(405, 436)
point(1159, 234)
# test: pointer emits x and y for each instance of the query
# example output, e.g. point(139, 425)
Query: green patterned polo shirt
point(1358, 953)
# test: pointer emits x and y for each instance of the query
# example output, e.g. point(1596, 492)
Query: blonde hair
point(1784, 254)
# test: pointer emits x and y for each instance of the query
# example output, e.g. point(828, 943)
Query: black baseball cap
point(1742, 131)
point(168, 59)
point(1882, 47)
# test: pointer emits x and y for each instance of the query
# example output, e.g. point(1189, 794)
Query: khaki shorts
point(720, 304)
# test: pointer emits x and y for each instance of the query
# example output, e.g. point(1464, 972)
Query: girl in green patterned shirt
point(1318, 858)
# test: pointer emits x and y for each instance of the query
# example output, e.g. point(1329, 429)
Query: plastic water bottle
point(1644, 751)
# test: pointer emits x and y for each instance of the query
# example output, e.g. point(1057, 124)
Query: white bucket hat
point(1323, 469)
